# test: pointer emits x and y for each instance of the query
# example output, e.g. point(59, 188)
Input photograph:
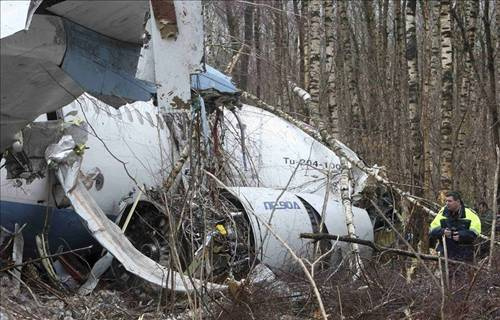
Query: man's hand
point(455, 235)
point(447, 233)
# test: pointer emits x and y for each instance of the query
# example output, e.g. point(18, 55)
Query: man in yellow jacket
point(459, 225)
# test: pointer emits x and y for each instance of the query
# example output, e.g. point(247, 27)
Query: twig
point(234, 60)
point(38, 259)
point(340, 304)
point(446, 269)
point(494, 220)
point(26, 286)
point(301, 263)
point(473, 281)
point(443, 296)
point(172, 176)
point(320, 258)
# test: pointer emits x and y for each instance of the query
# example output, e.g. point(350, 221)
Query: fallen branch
point(345, 195)
point(377, 248)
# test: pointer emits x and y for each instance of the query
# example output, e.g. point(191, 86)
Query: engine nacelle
point(288, 215)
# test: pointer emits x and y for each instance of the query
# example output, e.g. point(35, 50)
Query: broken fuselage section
point(134, 148)
point(53, 51)
point(73, 175)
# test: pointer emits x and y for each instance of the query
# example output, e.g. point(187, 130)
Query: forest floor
point(383, 291)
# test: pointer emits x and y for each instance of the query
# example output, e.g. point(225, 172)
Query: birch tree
point(315, 61)
point(373, 87)
point(248, 32)
point(353, 100)
point(446, 161)
point(330, 70)
point(471, 12)
point(413, 89)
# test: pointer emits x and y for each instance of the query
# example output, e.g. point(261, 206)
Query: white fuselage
point(128, 146)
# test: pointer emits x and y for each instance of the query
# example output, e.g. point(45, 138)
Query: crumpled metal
point(89, 177)
point(64, 156)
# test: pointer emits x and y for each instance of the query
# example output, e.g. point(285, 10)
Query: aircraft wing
point(54, 50)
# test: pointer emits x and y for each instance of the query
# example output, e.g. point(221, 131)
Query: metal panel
point(121, 20)
point(13, 16)
point(213, 79)
point(66, 228)
point(185, 52)
point(104, 66)
point(281, 155)
point(145, 149)
point(286, 215)
point(32, 82)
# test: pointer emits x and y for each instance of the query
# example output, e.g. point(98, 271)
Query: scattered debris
point(17, 255)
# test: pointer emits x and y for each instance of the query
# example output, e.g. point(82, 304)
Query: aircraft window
point(139, 116)
point(149, 118)
point(129, 114)
point(160, 122)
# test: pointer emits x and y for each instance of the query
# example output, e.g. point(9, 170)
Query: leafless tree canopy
point(410, 85)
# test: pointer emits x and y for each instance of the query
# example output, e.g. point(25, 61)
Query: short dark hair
point(454, 194)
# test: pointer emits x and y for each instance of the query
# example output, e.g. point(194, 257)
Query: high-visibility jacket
point(463, 248)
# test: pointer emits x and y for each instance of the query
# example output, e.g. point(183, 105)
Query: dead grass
point(382, 292)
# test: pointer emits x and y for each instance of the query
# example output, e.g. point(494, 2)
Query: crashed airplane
point(92, 127)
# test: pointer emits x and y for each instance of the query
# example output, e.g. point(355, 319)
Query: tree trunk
point(315, 61)
point(493, 105)
point(233, 30)
point(331, 72)
point(305, 26)
point(245, 58)
point(446, 161)
point(347, 205)
point(385, 76)
point(348, 64)
point(426, 101)
point(300, 28)
point(397, 103)
point(413, 84)
point(278, 57)
point(258, 51)
point(471, 12)
point(417, 222)
point(373, 122)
